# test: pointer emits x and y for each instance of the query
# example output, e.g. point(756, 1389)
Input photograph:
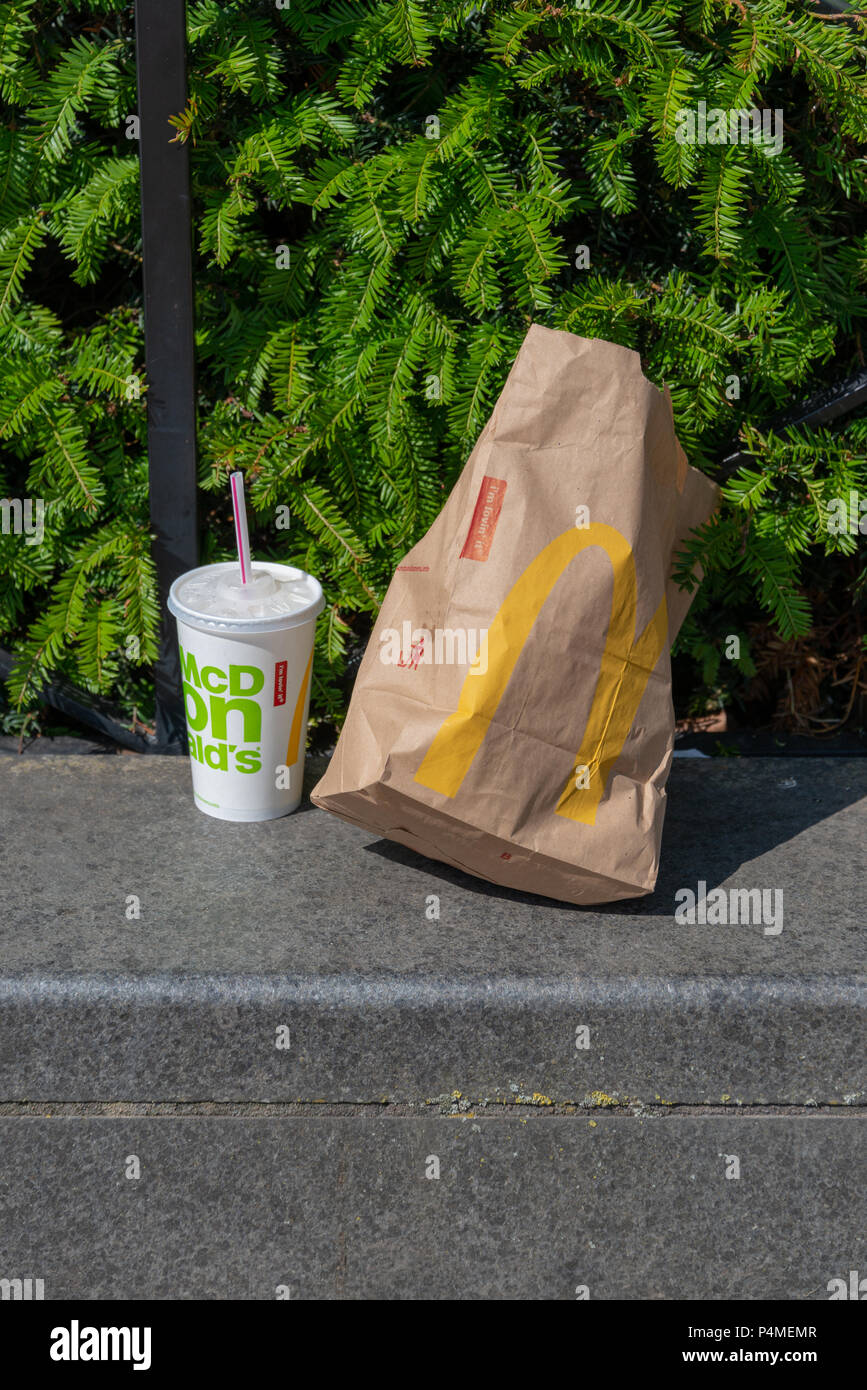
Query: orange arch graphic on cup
point(295, 732)
point(627, 661)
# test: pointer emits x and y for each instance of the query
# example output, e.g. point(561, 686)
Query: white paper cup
point(246, 686)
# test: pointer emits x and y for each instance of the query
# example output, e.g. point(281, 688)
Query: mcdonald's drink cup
point(246, 652)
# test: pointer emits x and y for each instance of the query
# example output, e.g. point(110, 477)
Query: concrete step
point(304, 960)
point(435, 1208)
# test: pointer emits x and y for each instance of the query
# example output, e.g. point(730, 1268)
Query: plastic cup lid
point(213, 599)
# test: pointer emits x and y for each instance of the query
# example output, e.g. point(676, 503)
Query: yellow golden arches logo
point(627, 662)
point(295, 731)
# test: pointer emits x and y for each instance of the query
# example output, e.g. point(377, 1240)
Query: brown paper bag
point(512, 715)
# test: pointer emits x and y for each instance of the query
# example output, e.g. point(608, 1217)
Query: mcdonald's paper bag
point(512, 715)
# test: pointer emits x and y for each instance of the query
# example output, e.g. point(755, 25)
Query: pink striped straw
point(241, 534)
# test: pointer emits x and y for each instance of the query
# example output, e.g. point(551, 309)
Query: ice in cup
point(246, 650)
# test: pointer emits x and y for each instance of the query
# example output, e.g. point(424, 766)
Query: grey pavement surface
point(326, 1208)
point(308, 932)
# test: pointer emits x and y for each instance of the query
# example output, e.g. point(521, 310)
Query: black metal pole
point(90, 710)
point(169, 342)
point(827, 405)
